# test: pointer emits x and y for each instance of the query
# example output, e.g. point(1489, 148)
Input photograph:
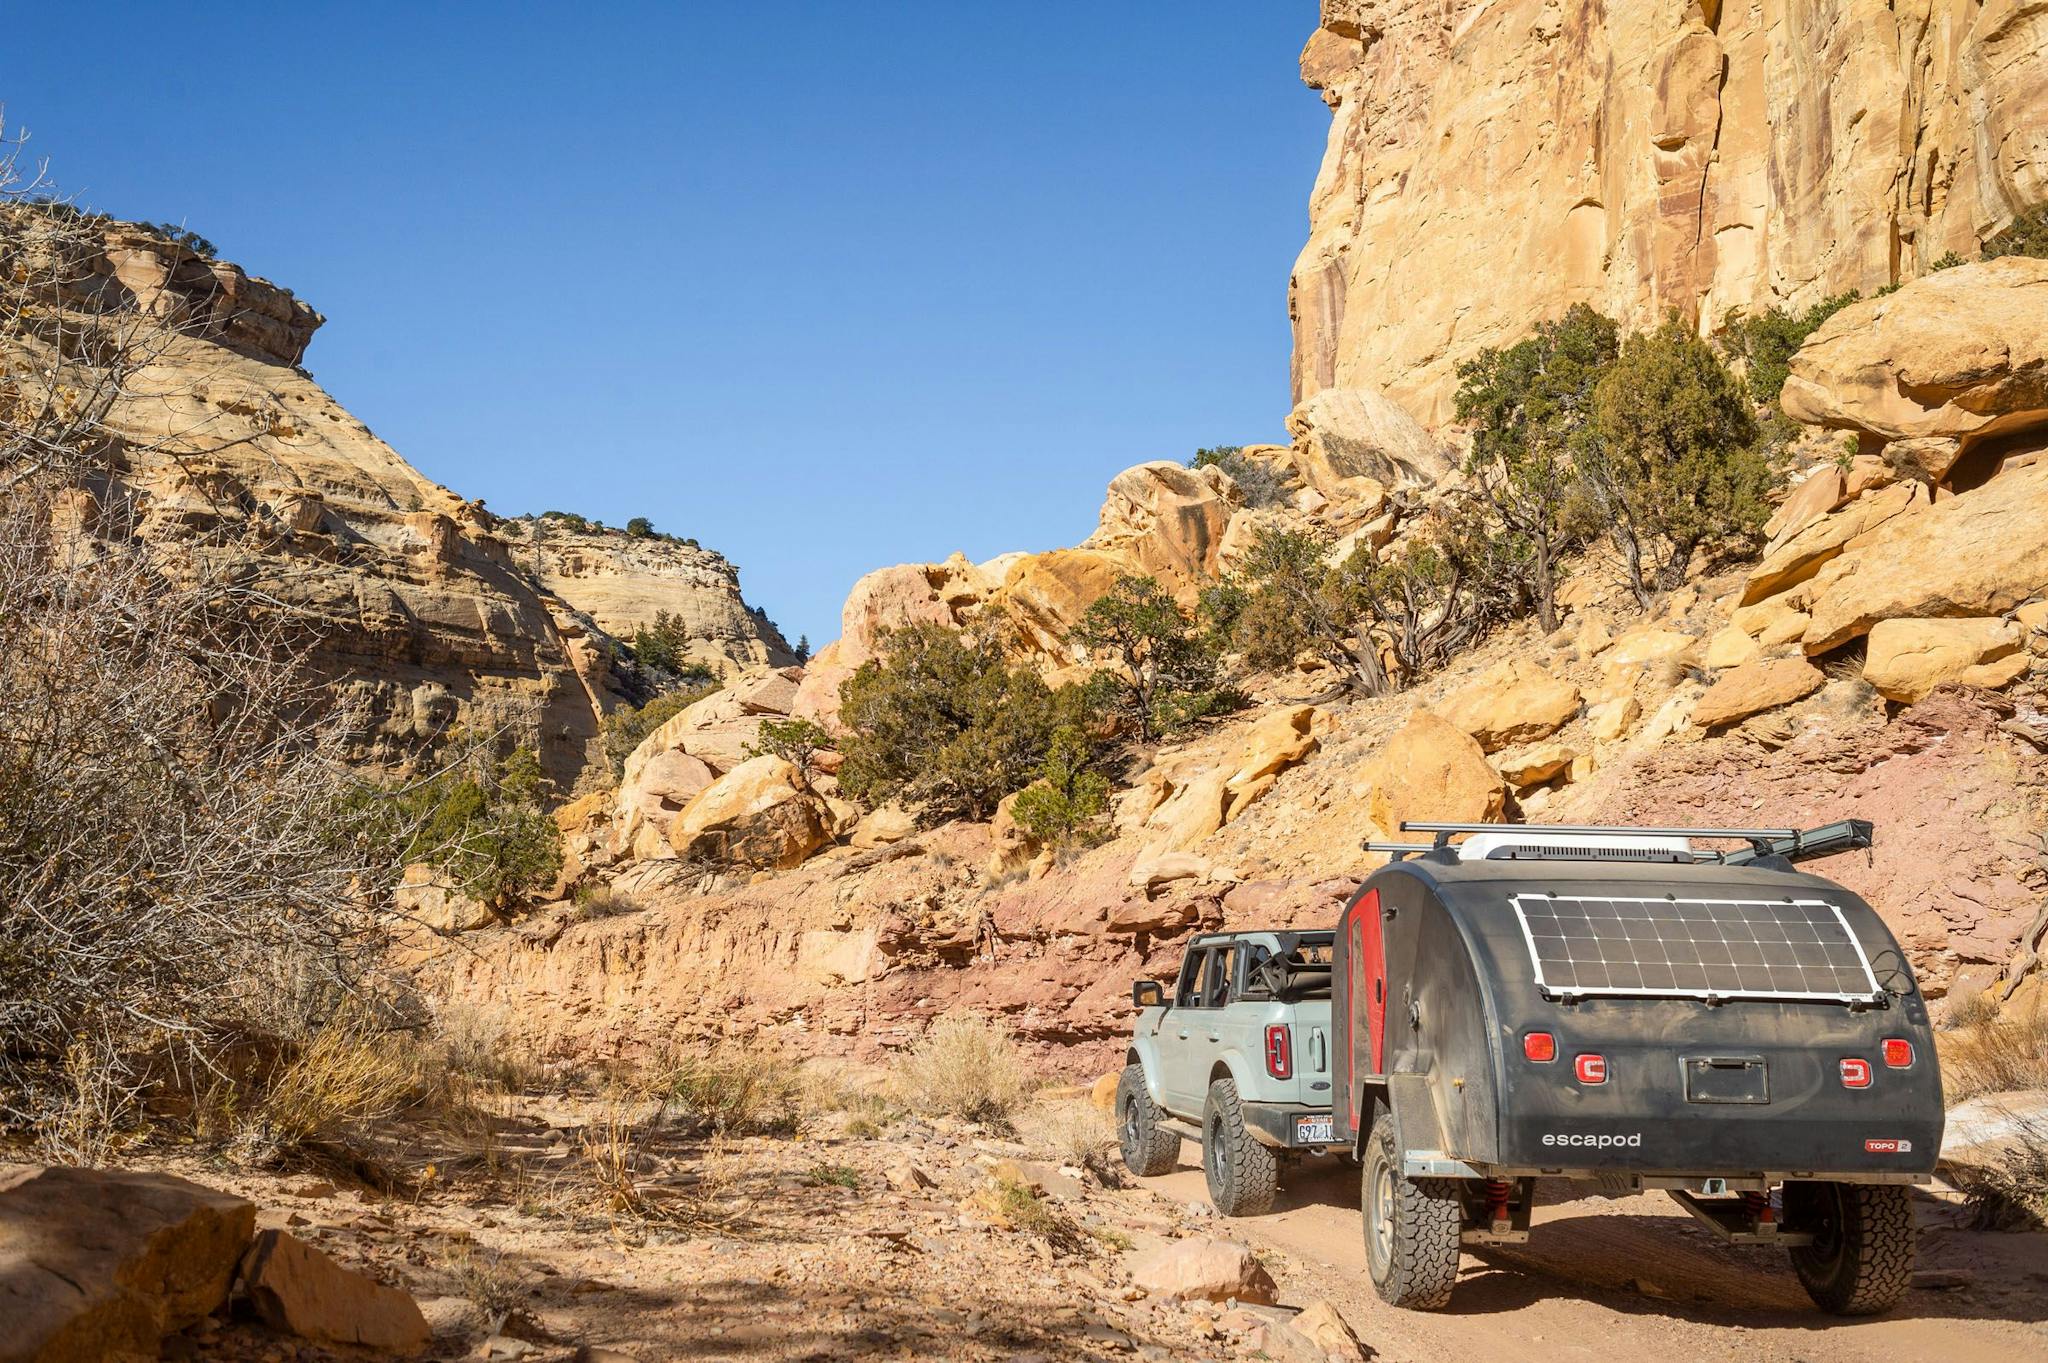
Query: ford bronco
point(1238, 1059)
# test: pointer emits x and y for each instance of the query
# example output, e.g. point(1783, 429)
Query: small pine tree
point(1675, 464)
point(803, 649)
point(1163, 668)
point(2026, 235)
point(640, 528)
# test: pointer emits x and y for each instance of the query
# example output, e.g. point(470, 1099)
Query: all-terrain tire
point(1412, 1226)
point(1861, 1259)
point(1148, 1148)
point(1243, 1174)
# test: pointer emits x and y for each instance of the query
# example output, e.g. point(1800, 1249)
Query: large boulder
point(1432, 769)
point(1789, 561)
point(1754, 688)
point(759, 814)
point(100, 1263)
point(295, 1288)
point(1516, 702)
point(1345, 433)
point(1978, 553)
point(1907, 659)
point(1166, 520)
point(1956, 357)
point(428, 897)
point(1205, 1270)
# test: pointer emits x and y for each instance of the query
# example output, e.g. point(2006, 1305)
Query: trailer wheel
point(1411, 1226)
point(1861, 1258)
point(1148, 1148)
point(1242, 1173)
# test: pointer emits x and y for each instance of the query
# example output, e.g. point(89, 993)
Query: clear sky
point(827, 284)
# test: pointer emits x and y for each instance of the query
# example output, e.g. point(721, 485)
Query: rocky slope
point(623, 582)
point(230, 452)
point(1886, 657)
point(1687, 154)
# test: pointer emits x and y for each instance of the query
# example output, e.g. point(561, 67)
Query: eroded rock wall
point(1492, 162)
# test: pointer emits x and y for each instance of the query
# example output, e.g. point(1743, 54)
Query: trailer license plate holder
point(1315, 1130)
point(1727, 1079)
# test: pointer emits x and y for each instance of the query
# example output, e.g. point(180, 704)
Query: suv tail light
point(1540, 1047)
point(1279, 1052)
point(1898, 1052)
point(1591, 1069)
point(1855, 1072)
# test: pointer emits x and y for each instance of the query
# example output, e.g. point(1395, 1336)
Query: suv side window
point(1222, 975)
point(1192, 980)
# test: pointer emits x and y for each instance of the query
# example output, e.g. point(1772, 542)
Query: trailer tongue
point(1627, 1007)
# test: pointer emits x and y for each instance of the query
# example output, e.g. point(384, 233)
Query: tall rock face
point(622, 582)
point(1492, 162)
point(230, 454)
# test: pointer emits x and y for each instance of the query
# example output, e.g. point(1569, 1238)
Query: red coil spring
point(1497, 1190)
point(1759, 1205)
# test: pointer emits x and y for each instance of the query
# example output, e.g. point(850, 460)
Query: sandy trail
point(1636, 1278)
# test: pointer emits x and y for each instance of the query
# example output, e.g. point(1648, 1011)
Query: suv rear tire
point(1243, 1174)
point(1148, 1148)
point(1861, 1258)
point(1412, 1226)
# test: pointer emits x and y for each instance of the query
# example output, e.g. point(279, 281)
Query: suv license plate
point(1313, 1130)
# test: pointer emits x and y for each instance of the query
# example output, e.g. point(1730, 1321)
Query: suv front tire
point(1243, 1174)
point(1148, 1148)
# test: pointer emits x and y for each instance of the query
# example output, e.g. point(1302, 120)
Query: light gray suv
point(1238, 1059)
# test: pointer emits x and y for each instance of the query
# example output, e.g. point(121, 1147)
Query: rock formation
point(623, 582)
point(1491, 162)
point(230, 453)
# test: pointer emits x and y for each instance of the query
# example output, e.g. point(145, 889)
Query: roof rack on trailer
point(1785, 844)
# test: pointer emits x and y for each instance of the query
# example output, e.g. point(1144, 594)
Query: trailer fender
point(1418, 1129)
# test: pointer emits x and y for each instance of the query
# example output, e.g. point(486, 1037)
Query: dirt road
point(1637, 1279)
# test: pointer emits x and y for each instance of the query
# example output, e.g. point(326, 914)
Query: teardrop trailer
point(1610, 1010)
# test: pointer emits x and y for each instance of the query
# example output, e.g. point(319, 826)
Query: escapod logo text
point(1633, 1140)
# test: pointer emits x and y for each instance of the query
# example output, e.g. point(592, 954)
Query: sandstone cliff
point(1687, 154)
point(623, 582)
point(230, 452)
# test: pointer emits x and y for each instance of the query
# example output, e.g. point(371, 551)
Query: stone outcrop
point(1516, 702)
point(1955, 363)
point(296, 1288)
point(1907, 659)
point(1491, 162)
point(1431, 769)
point(1204, 1270)
point(98, 1264)
point(1342, 435)
point(1755, 687)
point(231, 456)
point(622, 582)
point(760, 815)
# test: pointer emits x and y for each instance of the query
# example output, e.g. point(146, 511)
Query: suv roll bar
point(1783, 844)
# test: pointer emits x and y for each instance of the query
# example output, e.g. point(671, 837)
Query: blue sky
point(826, 285)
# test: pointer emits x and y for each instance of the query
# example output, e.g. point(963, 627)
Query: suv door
point(1182, 1040)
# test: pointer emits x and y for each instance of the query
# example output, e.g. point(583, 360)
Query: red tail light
point(1540, 1047)
point(1279, 1052)
point(1898, 1052)
point(1855, 1072)
point(1591, 1069)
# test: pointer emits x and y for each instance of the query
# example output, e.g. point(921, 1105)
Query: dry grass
point(1072, 1131)
point(487, 1282)
point(735, 1089)
point(96, 1113)
point(1968, 1010)
point(475, 1043)
point(2005, 1052)
point(611, 1161)
point(2012, 1194)
point(966, 1066)
point(350, 1072)
point(595, 900)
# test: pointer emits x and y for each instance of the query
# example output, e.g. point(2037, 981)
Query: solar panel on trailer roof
point(1700, 948)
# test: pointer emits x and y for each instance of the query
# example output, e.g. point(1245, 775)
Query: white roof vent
point(1547, 844)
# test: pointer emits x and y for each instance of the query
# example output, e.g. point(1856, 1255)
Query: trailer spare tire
point(1243, 1174)
point(1148, 1148)
point(1861, 1258)
point(1412, 1226)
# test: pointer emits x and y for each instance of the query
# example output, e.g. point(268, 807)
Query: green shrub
point(1765, 343)
point(640, 528)
point(1531, 409)
point(795, 741)
point(481, 823)
point(1255, 478)
point(943, 721)
point(2026, 235)
point(1066, 803)
point(1675, 466)
point(664, 647)
point(1947, 262)
point(1163, 670)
